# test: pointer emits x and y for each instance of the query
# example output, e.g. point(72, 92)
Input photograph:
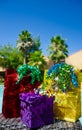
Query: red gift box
point(11, 103)
point(25, 84)
point(36, 110)
point(10, 71)
point(11, 106)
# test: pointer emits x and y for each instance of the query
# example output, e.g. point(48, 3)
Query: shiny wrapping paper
point(36, 110)
point(11, 102)
point(25, 85)
point(32, 71)
point(63, 76)
point(47, 85)
point(67, 106)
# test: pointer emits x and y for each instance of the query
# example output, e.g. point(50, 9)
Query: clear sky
point(46, 18)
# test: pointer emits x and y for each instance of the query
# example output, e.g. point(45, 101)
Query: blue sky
point(46, 18)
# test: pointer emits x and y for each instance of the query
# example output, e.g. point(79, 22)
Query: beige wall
point(49, 62)
point(75, 60)
point(2, 69)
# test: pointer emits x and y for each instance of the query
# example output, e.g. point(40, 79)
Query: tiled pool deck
point(17, 124)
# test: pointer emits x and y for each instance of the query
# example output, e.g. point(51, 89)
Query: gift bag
point(11, 103)
point(67, 106)
point(11, 106)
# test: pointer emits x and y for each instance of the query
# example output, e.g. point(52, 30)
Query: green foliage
point(25, 36)
point(24, 43)
point(58, 49)
point(27, 44)
point(10, 57)
point(37, 59)
point(36, 43)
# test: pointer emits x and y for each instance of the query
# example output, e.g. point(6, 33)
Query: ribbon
point(32, 71)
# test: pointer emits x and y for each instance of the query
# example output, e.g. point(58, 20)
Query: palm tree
point(24, 43)
point(58, 49)
point(36, 43)
point(27, 44)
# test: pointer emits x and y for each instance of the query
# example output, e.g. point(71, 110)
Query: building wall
point(75, 60)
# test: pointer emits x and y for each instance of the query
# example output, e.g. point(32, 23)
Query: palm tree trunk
point(24, 59)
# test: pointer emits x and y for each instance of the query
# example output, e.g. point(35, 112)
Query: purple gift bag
point(36, 110)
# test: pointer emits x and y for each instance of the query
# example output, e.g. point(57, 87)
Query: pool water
point(1, 97)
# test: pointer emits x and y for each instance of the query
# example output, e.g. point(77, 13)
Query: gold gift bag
point(45, 71)
point(67, 106)
point(47, 83)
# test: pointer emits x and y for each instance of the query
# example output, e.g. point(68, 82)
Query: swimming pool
point(1, 97)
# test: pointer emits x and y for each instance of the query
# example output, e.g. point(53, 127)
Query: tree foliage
point(37, 59)
point(27, 44)
point(58, 49)
point(10, 57)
